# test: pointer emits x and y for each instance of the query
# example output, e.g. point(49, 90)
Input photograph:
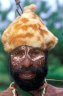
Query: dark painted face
point(28, 67)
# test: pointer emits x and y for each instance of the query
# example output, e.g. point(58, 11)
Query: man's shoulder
point(54, 91)
point(10, 91)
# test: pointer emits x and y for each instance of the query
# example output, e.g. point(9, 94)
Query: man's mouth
point(27, 75)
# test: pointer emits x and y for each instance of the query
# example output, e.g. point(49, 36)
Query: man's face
point(28, 67)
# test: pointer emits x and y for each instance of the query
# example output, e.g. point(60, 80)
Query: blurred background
point(51, 11)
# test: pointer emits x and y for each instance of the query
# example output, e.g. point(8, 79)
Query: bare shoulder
point(11, 91)
point(53, 91)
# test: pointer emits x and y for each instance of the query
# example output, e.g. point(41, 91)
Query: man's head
point(28, 39)
point(28, 67)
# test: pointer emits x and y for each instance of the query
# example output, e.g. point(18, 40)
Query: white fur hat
point(28, 29)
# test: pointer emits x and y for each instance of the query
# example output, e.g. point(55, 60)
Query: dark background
point(52, 15)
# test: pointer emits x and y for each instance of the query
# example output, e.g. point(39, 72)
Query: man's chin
point(29, 84)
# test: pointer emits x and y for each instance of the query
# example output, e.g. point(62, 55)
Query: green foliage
point(54, 66)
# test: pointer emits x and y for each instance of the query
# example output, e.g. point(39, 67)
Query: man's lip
point(27, 75)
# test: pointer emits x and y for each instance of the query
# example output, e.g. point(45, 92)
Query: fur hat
point(28, 29)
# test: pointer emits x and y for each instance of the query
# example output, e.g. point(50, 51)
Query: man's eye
point(19, 53)
point(36, 52)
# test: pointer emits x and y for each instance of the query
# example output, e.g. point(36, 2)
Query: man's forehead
point(26, 47)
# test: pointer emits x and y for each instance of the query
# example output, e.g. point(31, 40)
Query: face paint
point(28, 69)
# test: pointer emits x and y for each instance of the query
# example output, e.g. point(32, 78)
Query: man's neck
point(38, 92)
point(35, 92)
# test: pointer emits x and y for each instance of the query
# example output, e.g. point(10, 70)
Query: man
point(28, 41)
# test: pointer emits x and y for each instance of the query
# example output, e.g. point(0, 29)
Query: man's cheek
point(38, 64)
point(16, 64)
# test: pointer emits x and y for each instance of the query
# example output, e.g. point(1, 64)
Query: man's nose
point(26, 62)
